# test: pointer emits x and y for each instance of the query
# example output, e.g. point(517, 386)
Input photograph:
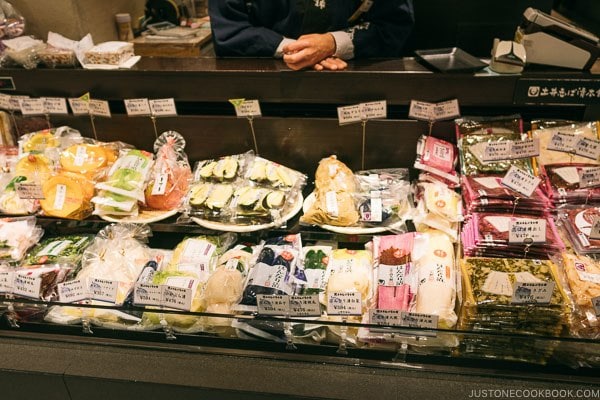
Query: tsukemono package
point(438, 157)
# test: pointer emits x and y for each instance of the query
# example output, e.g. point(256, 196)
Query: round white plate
point(144, 217)
point(348, 230)
point(219, 226)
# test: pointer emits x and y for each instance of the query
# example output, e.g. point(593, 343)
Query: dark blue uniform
point(255, 28)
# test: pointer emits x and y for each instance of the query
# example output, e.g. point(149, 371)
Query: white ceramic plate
point(219, 226)
point(348, 230)
point(144, 217)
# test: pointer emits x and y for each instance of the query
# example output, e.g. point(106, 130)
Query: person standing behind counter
point(317, 34)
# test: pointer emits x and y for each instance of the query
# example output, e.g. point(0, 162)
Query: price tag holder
point(418, 320)
point(520, 181)
point(73, 291)
point(595, 231)
point(27, 286)
point(273, 304)
point(31, 107)
point(511, 150)
point(349, 114)
point(176, 297)
point(344, 303)
point(431, 112)
point(99, 108)
point(563, 142)
point(29, 191)
point(446, 110)
point(6, 282)
point(55, 105)
point(373, 110)
point(145, 294)
point(589, 178)
point(526, 230)
point(103, 290)
point(588, 148)
point(246, 108)
point(532, 292)
point(137, 107)
point(5, 101)
point(421, 110)
point(596, 305)
point(305, 306)
point(79, 106)
point(163, 107)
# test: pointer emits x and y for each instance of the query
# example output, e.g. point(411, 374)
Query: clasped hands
point(313, 51)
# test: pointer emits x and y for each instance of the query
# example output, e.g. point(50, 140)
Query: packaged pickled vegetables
point(437, 157)
point(563, 184)
point(171, 174)
point(578, 223)
point(269, 173)
point(224, 169)
point(59, 249)
point(258, 204)
point(17, 235)
point(396, 287)
point(10, 202)
point(438, 207)
point(311, 275)
point(67, 195)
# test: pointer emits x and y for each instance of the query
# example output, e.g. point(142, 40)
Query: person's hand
point(331, 63)
point(309, 50)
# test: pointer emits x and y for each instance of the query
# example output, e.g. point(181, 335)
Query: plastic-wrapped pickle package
point(490, 305)
point(10, 202)
point(563, 184)
point(559, 138)
point(310, 276)
point(117, 255)
point(578, 223)
point(23, 51)
point(17, 235)
point(438, 207)
point(192, 265)
point(124, 187)
point(171, 174)
point(473, 135)
point(437, 157)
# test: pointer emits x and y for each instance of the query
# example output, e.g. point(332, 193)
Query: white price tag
point(103, 290)
point(79, 106)
point(525, 148)
point(4, 101)
point(344, 303)
point(305, 306)
point(273, 304)
point(595, 231)
point(349, 114)
point(532, 292)
point(417, 320)
point(589, 177)
point(29, 191)
point(563, 142)
point(176, 297)
point(446, 110)
point(373, 110)
point(99, 108)
point(246, 108)
point(496, 151)
point(56, 105)
point(385, 317)
point(73, 291)
point(526, 230)
point(27, 286)
point(145, 294)
point(32, 107)
point(596, 305)
point(163, 107)
point(6, 282)
point(520, 181)
point(421, 110)
point(14, 103)
point(588, 148)
point(137, 107)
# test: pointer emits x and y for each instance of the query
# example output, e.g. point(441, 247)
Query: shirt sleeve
point(234, 35)
point(383, 30)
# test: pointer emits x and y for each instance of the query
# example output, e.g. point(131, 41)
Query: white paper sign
point(532, 292)
point(305, 306)
point(29, 191)
point(588, 148)
point(137, 107)
point(99, 108)
point(79, 106)
point(73, 291)
point(246, 108)
point(6, 282)
point(563, 142)
point(273, 304)
point(526, 230)
point(417, 320)
point(14, 103)
point(4, 101)
point(145, 294)
point(589, 177)
point(432, 112)
point(385, 317)
point(32, 107)
point(27, 286)
point(160, 184)
point(496, 151)
point(103, 290)
point(392, 275)
point(511, 150)
point(163, 107)
point(344, 303)
point(520, 181)
point(55, 105)
point(421, 110)
point(349, 114)
point(373, 110)
point(177, 297)
point(446, 110)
